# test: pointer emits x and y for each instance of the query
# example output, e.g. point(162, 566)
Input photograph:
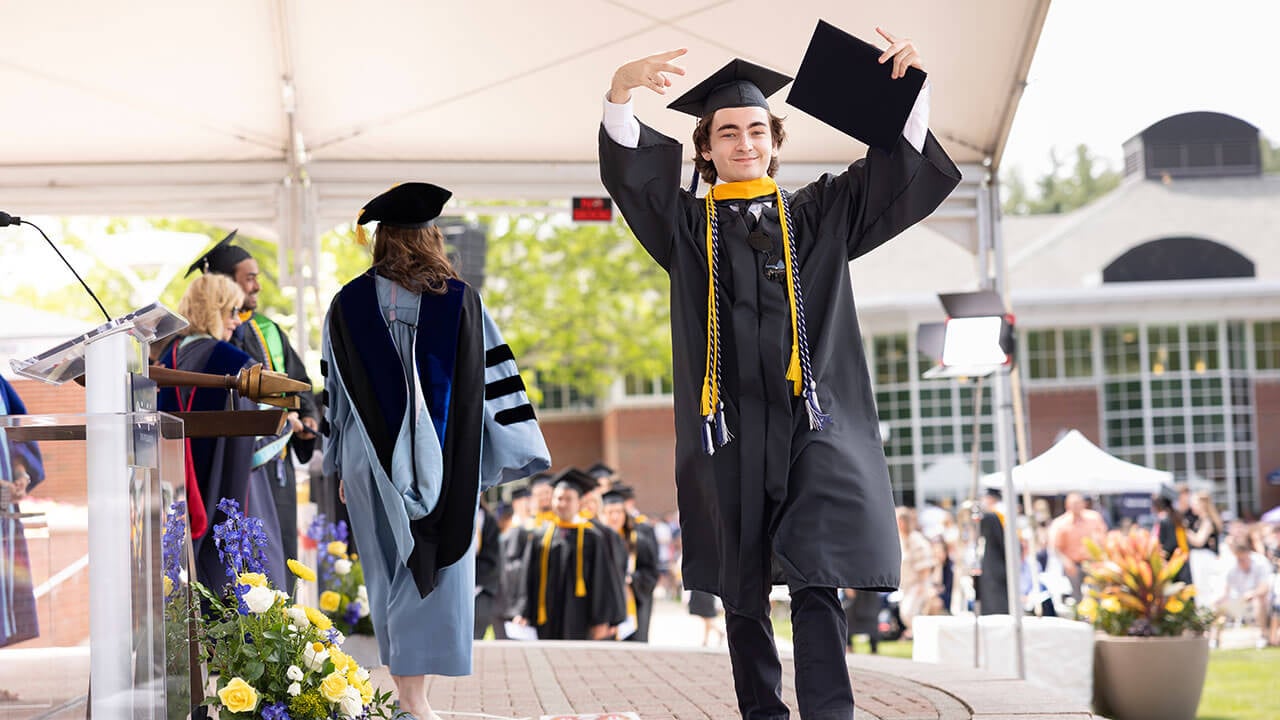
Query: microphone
point(7, 219)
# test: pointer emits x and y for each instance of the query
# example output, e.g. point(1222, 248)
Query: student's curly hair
point(702, 143)
point(209, 299)
point(414, 258)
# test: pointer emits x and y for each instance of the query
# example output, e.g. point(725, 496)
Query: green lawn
point(1241, 685)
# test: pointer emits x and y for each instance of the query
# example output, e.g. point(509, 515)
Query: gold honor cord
point(580, 585)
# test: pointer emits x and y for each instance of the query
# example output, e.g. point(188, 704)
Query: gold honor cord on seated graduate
point(799, 369)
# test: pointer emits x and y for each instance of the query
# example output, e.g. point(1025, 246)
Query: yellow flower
point(1111, 604)
point(338, 549)
point(341, 660)
point(168, 586)
point(333, 687)
point(317, 618)
point(302, 571)
point(238, 696)
point(1187, 593)
point(251, 579)
point(366, 691)
point(354, 557)
point(1087, 608)
point(329, 601)
point(1174, 605)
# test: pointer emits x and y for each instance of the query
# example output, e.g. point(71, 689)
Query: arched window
point(1178, 258)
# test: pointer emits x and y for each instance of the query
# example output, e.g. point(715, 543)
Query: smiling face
point(741, 143)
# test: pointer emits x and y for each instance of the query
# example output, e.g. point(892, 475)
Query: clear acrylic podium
point(140, 654)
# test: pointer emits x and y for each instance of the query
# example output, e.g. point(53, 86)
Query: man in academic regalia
point(541, 488)
point(571, 589)
point(488, 570)
point(21, 469)
point(766, 345)
point(993, 583)
point(512, 542)
point(263, 340)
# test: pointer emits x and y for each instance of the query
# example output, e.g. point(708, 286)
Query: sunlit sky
point(1106, 69)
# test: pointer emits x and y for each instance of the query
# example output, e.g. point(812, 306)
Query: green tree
point(1270, 155)
point(1058, 191)
point(580, 305)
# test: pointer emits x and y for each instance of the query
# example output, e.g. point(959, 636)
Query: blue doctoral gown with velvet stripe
point(424, 410)
point(17, 599)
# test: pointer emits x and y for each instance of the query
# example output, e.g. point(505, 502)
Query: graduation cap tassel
point(723, 437)
point(693, 182)
point(817, 418)
point(708, 442)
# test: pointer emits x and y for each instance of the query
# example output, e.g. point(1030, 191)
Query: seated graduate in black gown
point(571, 589)
point(765, 339)
point(224, 467)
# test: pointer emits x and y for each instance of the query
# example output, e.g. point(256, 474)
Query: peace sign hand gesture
point(647, 72)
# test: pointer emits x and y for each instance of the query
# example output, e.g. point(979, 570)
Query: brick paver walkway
point(521, 680)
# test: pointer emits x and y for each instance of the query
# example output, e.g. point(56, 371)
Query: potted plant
point(1151, 653)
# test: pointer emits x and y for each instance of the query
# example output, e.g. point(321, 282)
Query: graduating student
point(488, 571)
point(512, 542)
point(993, 583)
point(778, 452)
point(572, 590)
point(643, 544)
point(223, 467)
point(541, 488)
point(21, 469)
point(425, 410)
point(265, 342)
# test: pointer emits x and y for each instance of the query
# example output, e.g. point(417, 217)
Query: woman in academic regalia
point(221, 467)
point(425, 410)
point(21, 468)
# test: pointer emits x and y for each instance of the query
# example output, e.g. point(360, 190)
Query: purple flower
point(240, 541)
point(352, 615)
point(276, 711)
point(172, 544)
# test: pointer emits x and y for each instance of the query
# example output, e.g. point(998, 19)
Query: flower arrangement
point(343, 596)
point(276, 660)
point(1132, 589)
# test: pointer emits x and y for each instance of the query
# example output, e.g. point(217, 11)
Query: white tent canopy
point(1074, 464)
point(948, 477)
point(282, 117)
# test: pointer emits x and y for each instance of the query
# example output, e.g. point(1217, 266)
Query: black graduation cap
point(578, 480)
point(738, 84)
point(522, 492)
point(613, 497)
point(407, 205)
point(600, 470)
point(994, 493)
point(842, 83)
point(221, 258)
point(542, 478)
point(626, 491)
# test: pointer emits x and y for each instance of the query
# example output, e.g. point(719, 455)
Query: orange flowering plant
point(1132, 590)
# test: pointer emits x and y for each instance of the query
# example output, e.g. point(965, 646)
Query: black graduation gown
point(570, 617)
point(513, 542)
point(820, 501)
point(993, 583)
point(284, 484)
point(644, 578)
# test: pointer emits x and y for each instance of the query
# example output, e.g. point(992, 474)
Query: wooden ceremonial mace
point(254, 383)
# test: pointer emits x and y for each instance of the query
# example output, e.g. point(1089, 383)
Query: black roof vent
point(1194, 145)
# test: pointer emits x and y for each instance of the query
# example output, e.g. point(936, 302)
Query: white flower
point(298, 616)
point(259, 599)
point(295, 689)
point(362, 674)
point(351, 705)
point(364, 609)
point(362, 594)
point(313, 658)
point(338, 638)
point(294, 673)
point(342, 566)
point(282, 595)
point(293, 629)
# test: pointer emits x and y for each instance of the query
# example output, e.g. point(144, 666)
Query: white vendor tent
point(1074, 464)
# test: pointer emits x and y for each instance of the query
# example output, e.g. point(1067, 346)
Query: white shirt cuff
point(621, 124)
point(917, 127)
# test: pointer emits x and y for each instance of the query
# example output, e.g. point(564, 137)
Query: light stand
point(977, 340)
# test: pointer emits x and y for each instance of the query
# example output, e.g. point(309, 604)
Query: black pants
point(822, 678)
point(484, 615)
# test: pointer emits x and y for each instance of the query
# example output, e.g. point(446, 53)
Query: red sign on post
point(592, 209)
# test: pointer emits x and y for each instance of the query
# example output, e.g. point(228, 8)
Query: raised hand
point(650, 72)
point(903, 53)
